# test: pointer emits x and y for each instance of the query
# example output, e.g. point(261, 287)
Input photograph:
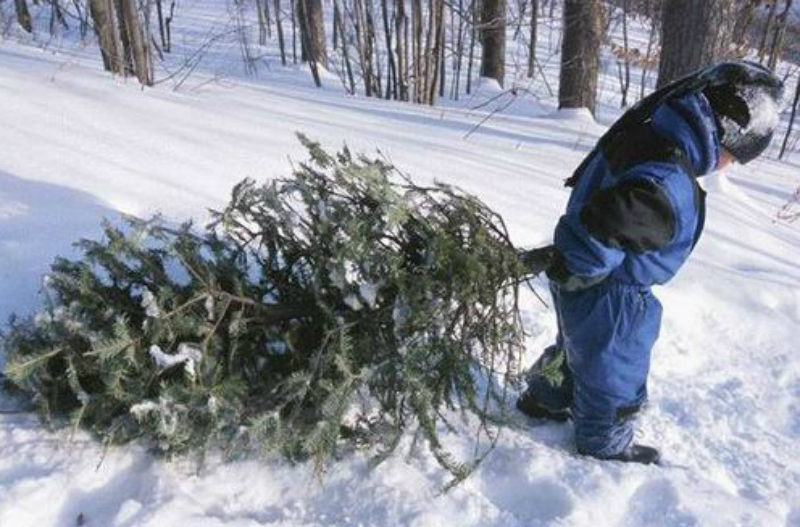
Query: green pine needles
point(338, 308)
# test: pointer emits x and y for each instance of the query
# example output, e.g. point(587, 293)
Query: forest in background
point(421, 52)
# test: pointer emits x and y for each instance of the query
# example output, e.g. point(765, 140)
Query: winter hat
point(745, 98)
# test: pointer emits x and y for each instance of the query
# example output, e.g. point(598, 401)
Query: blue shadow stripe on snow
point(39, 221)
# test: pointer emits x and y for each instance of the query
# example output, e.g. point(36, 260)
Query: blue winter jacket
point(639, 227)
point(624, 230)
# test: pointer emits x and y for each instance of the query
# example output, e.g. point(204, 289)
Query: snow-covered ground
point(76, 145)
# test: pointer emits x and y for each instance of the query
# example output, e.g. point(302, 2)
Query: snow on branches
point(341, 307)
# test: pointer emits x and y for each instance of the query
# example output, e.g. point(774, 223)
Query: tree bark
point(279, 27)
point(23, 15)
point(694, 34)
point(437, 53)
point(138, 41)
point(373, 49)
point(458, 51)
point(532, 41)
point(105, 25)
point(312, 31)
point(401, 48)
point(743, 21)
point(338, 21)
point(580, 54)
point(780, 33)
point(493, 40)
point(625, 73)
point(654, 21)
point(472, 38)
point(762, 49)
point(416, 43)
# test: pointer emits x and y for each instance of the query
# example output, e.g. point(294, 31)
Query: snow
point(725, 381)
point(186, 354)
point(765, 114)
point(150, 304)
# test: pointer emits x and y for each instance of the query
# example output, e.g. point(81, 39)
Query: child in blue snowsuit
point(634, 216)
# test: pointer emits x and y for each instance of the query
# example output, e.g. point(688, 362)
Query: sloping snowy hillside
point(76, 145)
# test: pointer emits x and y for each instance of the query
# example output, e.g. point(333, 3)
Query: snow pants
point(606, 333)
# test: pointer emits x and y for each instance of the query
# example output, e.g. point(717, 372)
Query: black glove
point(538, 260)
point(548, 259)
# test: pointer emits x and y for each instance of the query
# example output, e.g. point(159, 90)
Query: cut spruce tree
point(341, 307)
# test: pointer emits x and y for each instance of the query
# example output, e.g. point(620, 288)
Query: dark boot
point(634, 453)
point(528, 405)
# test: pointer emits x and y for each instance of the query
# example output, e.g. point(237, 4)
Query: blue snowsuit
point(627, 227)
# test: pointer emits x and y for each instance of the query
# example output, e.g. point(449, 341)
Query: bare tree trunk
point(168, 24)
point(294, 31)
point(428, 57)
point(262, 22)
point(23, 15)
point(416, 43)
point(162, 31)
point(373, 51)
point(391, 67)
point(532, 41)
point(694, 35)
point(654, 22)
point(337, 32)
point(743, 21)
point(580, 54)
point(83, 17)
point(312, 32)
point(313, 51)
point(338, 21)
point(267, 16)
point(441, 64)
point(364, 48)
point(459, 53)
point(105, 25)
point(127, 52)
point(780, 33)
point(791, 119)
point(762, 49)
point(493, 40)
point(56, 16)
point(625, 74)
point(138, 41)
point(473, 38)
point(401, 48)
point(279, 27)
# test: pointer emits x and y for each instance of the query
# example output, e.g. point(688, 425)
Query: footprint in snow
point(654, 504)
point(533, 502)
